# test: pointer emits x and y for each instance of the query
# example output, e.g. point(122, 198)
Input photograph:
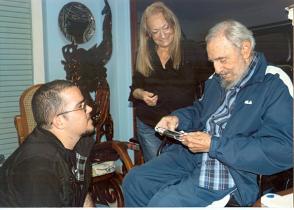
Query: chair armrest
point(133, 144)
point(120, 148)
point(19, 129)
point(122, 151)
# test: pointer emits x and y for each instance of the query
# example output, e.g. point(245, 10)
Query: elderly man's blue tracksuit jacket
point(258, 136)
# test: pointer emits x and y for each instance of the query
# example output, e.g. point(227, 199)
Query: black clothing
point(175, 88)
point(43, 173)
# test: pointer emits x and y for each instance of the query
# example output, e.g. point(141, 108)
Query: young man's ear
point(246, 49)
point(57, 122)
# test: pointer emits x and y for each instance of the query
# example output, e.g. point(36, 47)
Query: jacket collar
point(47, 137)
point(260, 69)
point(155, 60)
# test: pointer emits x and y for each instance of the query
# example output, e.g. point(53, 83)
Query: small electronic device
point(169, 133)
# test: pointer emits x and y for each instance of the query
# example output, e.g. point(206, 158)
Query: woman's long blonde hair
point(143, 63)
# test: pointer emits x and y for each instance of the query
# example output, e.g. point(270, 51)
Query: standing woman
point(164, 79)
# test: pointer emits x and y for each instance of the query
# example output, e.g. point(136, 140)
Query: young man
point(240, 128)
point(50, 169)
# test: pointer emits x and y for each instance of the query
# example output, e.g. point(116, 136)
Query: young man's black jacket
point(43, 173)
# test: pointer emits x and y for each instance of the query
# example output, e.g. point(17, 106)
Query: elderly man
point(240, 128)
point(50, 168)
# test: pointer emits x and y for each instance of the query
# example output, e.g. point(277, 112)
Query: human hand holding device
point(169, 133)
point(168, 122)
point(197, 141)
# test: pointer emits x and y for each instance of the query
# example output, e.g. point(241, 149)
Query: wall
point(119, 66)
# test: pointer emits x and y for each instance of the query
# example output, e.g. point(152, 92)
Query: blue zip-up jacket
point(258, 136)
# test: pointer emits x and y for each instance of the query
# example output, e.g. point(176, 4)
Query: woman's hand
point(149, 98)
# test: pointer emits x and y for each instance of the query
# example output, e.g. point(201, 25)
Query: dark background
point(268, 19)
point(197, 16)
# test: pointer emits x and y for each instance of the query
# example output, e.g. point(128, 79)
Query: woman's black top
point(175, 88)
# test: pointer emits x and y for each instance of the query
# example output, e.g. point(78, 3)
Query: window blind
point(16, 67)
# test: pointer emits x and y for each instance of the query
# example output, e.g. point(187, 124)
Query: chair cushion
point(99, 169)
point(103, 152)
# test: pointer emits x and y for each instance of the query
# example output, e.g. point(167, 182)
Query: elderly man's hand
point(168, 122)
point(197, 141)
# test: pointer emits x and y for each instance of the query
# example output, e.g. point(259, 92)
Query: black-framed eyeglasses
point(82, 106)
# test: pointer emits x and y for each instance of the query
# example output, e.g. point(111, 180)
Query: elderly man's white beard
point(228, 85)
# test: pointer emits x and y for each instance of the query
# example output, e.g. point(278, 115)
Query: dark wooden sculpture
point(86, 68)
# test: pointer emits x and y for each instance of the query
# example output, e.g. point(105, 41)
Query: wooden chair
point(25, 123)
point(276, 182)
point(105, 187)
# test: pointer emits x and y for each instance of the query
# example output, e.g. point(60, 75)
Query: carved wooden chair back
point(102, 117)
